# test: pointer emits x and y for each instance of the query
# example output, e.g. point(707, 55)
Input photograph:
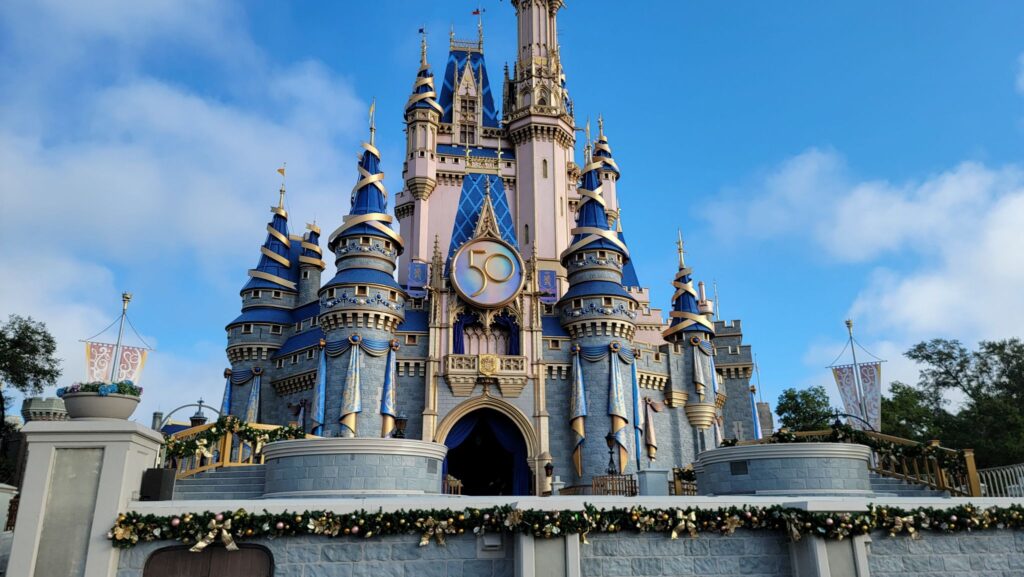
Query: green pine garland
point(438, 524)
point(206, 440)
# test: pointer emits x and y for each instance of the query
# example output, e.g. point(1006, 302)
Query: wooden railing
point(451, 486)
point(229, 451)
point(959, 477)
point(622, 485)
point(1006, 481)
point(677, 486)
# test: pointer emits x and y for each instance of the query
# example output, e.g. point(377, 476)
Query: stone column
point(80, 474)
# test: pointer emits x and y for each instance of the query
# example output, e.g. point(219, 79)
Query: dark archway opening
point(486, 451)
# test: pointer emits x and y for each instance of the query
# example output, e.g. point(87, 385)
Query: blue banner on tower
point(547, 283)
point(418, 275)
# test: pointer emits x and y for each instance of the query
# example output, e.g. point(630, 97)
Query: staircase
point(884, 486)
point(223, 483)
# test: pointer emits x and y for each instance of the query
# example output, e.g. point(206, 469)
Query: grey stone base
point(827, 469)
point(340, 467)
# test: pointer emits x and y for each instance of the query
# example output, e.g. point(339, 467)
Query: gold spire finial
point(586, 149)
point(281, 171)
point(423, 47)
point(373, 127)
point(679, 246)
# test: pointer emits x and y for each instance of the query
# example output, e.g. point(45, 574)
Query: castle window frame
point(657, 357)
point(577, 303)
point(364, 240)
point(607, 301)
point(555, 344)
point(275, 329)
point(393, 295)
point(544, 168)
point(257, 294)
point(549, 309)
point(276, 294)
point(387, 244)
point(602, 254)
point(411, 339)
point(362, 291)
point(305, 274)
point(330, 293)
point(279, 364)
point(310, 354)
point(417, 303)
point(247, 329)
point(295, 359)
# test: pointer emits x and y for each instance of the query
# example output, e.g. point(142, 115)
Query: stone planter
point(94, 406)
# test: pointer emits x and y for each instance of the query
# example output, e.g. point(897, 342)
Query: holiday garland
point(202, 529)
point(202, 443)
point(952, 463)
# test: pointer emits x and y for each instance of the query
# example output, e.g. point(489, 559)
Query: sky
point(824, 160)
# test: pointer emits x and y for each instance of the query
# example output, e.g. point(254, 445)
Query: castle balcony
point(465, 372)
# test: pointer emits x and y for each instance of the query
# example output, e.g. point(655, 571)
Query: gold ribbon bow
point(901, 524)
point(433, 528)
point(202, 450)
point(221, 529)
point(686, 523)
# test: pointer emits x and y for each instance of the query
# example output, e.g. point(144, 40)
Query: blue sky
point(824, 160)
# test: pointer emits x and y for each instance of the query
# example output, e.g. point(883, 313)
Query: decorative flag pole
point(856, 372)
point(126, 297)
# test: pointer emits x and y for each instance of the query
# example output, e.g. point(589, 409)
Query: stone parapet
point(785, 469)
point(352, 466)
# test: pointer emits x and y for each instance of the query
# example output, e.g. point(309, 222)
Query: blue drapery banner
point(508, 323)
point(387, 397)
point(600, 352)
point(252, 406)
point(638, 416)
point(753, 414)
point(507, 435)
point(351, 397)
point(320, 395)
point(225, 403)
point(242, 377)
point(578, 414)
point(617, 412)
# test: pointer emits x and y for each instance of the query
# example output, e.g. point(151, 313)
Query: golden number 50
point(485, 273)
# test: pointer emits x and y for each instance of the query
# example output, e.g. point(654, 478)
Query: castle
point(516, 331)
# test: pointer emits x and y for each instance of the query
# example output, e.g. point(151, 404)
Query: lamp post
point(549, 470)
point(610, 439)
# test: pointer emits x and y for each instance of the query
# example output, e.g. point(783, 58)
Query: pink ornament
point(219, 517)
point(175, 522)
point(829, 521)
point(952, 518)
point(355, 530)
point(486, 516)
point(280, 525)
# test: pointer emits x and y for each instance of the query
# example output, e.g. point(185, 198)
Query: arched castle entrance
point(490, 447)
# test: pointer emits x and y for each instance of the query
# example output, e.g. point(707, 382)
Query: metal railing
point(1006, 481)
point(229, 451)
point(959, 476)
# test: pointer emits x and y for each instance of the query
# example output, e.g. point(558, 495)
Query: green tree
point(27, 361)
point(913, 413)
point(991, 382)
point(804, 410)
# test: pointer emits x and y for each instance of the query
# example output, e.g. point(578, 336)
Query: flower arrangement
point(201, 529)
point(201, 443)
point(125, 387)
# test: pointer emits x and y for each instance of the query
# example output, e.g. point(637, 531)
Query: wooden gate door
point(215, 561)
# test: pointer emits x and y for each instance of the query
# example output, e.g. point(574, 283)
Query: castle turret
point(599, 315)
point(361, 307)
point(691, 331)
point(311, 265)
point(422, 120)
point(539, 120)
point(267, 300)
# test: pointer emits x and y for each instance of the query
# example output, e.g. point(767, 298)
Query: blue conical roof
point(592, 231)
point(274, 270)
point(686, 315)
point(368, 215)
point(423, 95)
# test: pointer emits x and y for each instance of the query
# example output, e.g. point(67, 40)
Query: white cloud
point(107, 165)
point(944, 251)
